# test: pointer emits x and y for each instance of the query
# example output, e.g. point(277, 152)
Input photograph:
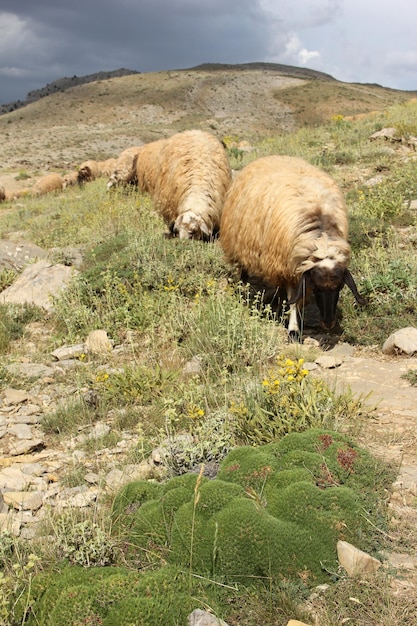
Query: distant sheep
point(88, 171)
point(187, 176)
point(123, 168)
point(107, 166)
point(70, 179)
point(284, 225)
point(2, 193)
point(47, 184)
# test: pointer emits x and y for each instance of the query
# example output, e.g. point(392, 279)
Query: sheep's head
point(189, 225)
point(325, 280)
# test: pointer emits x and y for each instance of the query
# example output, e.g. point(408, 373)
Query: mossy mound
point(112, 596)
point(276, 511)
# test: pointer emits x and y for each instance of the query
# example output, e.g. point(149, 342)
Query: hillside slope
point(98, 119)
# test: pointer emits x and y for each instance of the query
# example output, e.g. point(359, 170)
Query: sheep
point(88, 171)
point(284, 225)
point(2, 193)
point(123, 168)
point(107, 166)
point(48, 183)
point(70, 179)
point(187, 176)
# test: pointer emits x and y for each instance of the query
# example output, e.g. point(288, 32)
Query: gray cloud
point(45, 40)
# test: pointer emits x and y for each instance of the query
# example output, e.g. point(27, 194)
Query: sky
point(363, 41)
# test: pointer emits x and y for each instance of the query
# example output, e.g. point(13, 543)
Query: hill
point(97, 119)
point(61, 84)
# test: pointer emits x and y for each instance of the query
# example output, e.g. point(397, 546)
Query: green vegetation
point(252, 542)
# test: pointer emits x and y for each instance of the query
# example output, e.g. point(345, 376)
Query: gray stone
point(15, 396)
point(193, 367)
point(204, 618)
point(37, 284)
point(30, 370)
point(13, 479)
point(328, 362)
point(25, 446)
point(402, 341)
point(16, 255)
point(99, 430)
point(21, 431)
point(65, 353)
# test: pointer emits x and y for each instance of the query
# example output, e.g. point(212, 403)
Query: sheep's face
point(326, 283)
point(189, 225)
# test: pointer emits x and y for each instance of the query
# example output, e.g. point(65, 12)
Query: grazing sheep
point(123, 169)
point(187, 176)
point(2, 193)
point(48, 183)
point(284, 224)
point(107, 166)
point(88, 171)
point(70, 179)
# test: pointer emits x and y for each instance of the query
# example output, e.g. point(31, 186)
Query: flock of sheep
point(281, 221)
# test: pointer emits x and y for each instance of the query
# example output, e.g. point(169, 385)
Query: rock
point(99, 430)
point(401, 561)
point(23, 500)
point(30, 370)
point(16, 255)
point(407, 479)
point(203, 618)
point(193, 367)
point(68, 352)
point(10, 523)
point(15, 396)
point(98, 342)
point(354, 561)
point(13, 479)
point(403, 340)
point(328, 362)
point(25, 446)
point(37, 284)
point(92, 478)
point(389, 134)
point(21, 431)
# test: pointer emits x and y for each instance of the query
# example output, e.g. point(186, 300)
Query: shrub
point(251, 522)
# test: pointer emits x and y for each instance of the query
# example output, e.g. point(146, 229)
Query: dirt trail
point(393, 426)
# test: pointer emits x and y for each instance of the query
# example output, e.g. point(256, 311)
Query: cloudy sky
point(366, 41)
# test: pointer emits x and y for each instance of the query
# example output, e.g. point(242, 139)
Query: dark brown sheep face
point(326, 284)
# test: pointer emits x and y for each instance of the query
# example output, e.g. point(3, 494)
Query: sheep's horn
point(300, 290)
point(349, 281)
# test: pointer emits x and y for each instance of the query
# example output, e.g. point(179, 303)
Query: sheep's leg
point(293, 326)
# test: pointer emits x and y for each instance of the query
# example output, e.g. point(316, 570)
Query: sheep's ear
point(300, 290)
point(349, 282)
point(204, 229)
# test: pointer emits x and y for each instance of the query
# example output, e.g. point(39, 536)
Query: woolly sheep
point(284, 224)
point(48, 183)
point(107, 166)
point(70, 179)
point(88, 171)
point(2, 193)
point(187, 176)
point(123, 168)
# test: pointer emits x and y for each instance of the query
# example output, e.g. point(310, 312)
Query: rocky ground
point(34, 467)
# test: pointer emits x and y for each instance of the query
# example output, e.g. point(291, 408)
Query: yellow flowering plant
point(289, 399)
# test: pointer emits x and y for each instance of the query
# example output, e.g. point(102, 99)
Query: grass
point(167, 302)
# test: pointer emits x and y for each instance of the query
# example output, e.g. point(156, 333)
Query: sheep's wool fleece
point(281, 216)
point(189, 171)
